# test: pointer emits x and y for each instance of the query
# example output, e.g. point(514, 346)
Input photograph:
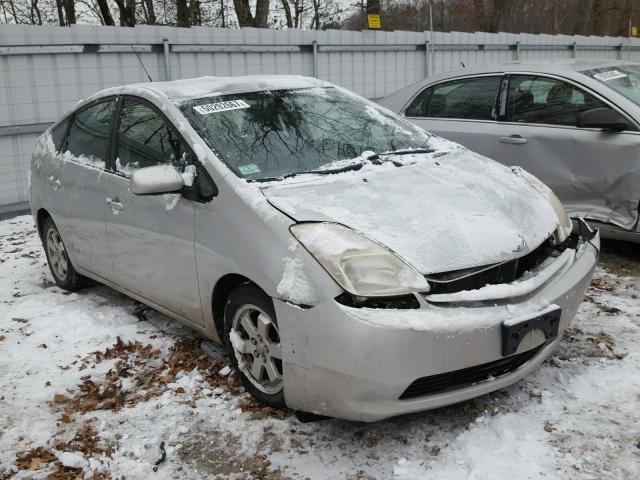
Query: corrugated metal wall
point(44, 71)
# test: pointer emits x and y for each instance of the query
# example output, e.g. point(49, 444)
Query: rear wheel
point(60, 265)
point(253, 343)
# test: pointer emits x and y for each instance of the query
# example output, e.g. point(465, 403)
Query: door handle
point(514, 140)
point(114, 203)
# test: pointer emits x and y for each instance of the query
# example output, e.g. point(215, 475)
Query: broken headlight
point(564, 222)
point(359, 265)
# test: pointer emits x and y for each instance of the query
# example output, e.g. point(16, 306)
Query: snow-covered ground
point(93, 383)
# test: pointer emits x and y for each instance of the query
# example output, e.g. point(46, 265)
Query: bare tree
point(287, 13)
point(127, 12)
point(105, 12)
point(247, 19)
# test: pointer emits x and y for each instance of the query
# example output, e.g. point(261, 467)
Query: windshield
point(282, 132)
point(624, 79)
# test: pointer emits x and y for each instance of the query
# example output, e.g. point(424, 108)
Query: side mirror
point(603, 118)
point(156, 179)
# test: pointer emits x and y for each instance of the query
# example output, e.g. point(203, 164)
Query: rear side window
point(145, 140)
point(88, 138)
point(468, 98)
point(536, 99)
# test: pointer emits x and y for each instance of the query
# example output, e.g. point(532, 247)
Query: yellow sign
point(634, 31)
point(373, 20)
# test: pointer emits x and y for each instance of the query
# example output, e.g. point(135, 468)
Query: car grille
point(475, 278)
point(467, 376)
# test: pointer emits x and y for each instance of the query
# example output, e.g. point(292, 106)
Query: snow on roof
point(180, 90)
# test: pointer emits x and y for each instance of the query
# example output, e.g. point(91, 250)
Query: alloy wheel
point(57, 254)
point(256, 343)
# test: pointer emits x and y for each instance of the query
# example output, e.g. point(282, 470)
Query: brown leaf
point(59, 398)
point(179, 390)
point(2, 337)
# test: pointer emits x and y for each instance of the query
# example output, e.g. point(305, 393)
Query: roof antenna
point(463, 65)
point(141, 64)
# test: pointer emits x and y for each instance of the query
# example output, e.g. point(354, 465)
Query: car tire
point(252, 342)
point(62, 270)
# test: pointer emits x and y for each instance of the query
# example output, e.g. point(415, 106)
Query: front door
point(461, 110)
point(587, 168)
point(151, 237)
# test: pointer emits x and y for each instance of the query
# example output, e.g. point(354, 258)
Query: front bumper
point(355, 363)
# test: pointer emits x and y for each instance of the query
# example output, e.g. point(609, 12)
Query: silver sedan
point(575, 125)
point(351, 264)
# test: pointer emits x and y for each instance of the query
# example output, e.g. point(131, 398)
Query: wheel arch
point(223, 288)
point(41, 216)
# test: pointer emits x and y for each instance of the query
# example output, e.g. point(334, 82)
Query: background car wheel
point(60, 265)
point(253, 343)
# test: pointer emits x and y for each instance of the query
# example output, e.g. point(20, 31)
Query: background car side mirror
point(156, 179)
point(604, 118)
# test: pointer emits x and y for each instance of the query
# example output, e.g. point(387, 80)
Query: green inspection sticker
point(249, 168)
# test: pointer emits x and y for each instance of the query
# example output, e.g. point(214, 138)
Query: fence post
point(620, 51)
point(167, 60)
point(574, 48)
point(315, 58)
point(517, 51)
point(427, 46)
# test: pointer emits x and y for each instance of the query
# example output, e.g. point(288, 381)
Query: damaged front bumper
point(368, 364)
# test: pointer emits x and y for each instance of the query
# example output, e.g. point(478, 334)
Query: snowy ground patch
point(93, 384)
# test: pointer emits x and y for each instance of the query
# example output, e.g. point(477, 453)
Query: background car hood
point(440, 214)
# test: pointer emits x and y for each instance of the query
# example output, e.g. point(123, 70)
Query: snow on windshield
point(275, 133)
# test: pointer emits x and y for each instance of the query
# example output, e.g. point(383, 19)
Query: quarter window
point(468, 98)
point(89, 134)
point(145, 140)
point(58, 133)
point(536, 99)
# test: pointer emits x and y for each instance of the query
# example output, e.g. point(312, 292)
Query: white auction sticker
point(221, 106)
point(610, 75)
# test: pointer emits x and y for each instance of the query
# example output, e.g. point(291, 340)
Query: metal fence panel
point(45, 70)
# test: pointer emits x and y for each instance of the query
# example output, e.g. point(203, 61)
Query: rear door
point(462, 110)
point(586, 168)
point(77, 186)
point(151, 237)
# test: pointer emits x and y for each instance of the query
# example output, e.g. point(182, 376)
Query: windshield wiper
point(326, 171)
point(408, 152)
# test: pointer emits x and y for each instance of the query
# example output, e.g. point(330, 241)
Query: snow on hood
point(440, 214)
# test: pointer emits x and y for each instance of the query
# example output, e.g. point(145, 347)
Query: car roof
point(564, 68)
point(178, 91)
point(574, 65)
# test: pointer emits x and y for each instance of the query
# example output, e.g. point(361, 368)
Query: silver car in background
point(351, 264)
point(575, 125)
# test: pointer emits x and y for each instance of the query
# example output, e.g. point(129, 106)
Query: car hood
point(456, 211)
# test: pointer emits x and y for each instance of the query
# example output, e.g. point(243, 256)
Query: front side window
point(88, 138)
point(468, 98)
point(282, 132)
point(145, 140)
point(537, 99)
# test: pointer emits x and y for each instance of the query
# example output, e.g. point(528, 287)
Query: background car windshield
point(624, 79)
point(274, 133)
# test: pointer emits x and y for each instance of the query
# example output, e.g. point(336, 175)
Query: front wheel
point(253, 343)
point(60, 265)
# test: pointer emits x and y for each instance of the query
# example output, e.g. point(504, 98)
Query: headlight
point(359, 265)
point(565, 226)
